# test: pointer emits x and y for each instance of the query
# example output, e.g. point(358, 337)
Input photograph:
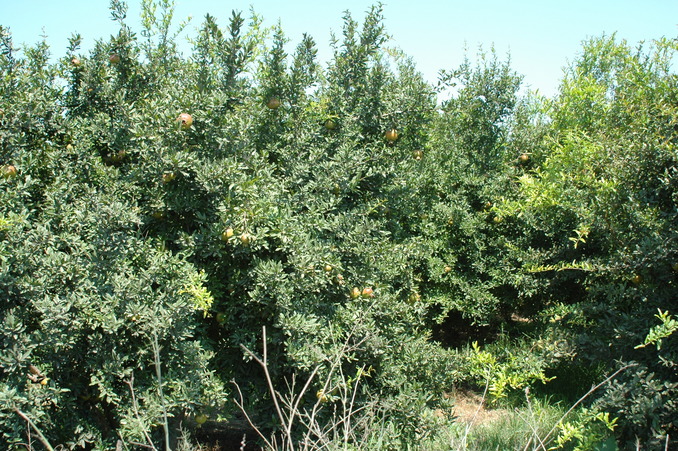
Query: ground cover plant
point(324, 256)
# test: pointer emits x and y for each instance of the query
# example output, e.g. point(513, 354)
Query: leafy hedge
point(158, 210)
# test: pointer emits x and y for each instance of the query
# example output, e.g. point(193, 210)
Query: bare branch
point(588, 393)
point(241, 406)
point(135, 407)
point(42, 438)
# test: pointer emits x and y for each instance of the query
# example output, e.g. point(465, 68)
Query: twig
point(312, 424)
point(143, 445)
point(264, 364)
point(291, 402)
point(294, 400)
point(588, 393)
point(120, 440)
point(158, 373)
point(295, 408)
point(42, 438)
point(135, 406)
point(532, 426)
point(347, 424)
point(247, 417)
point(475, 414)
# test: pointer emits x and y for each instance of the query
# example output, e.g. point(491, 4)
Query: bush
point(157, 211)
point(610, 172)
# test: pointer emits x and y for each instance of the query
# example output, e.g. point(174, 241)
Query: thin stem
point(295, 408)
point(158, 373)
point(532, 424)
point(467, 430)
point(143, 445)
point(347, 425)
point(135, 406)
point(292, 402)
point(241, 406)
point(588, 393)
point(42, 438)
point(264, 364)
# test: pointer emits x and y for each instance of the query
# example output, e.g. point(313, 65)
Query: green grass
point(536, 425)
point(514, 429)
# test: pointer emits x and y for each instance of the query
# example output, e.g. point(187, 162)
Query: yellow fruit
point(245, 239)
point(355, 293)
point(322, 397)
point(367, 292)
point(524, 158)
point(168, 177)
point(448, 269)
point(637, 278)
point(185, 121)
point(118, 157)
point(9, 171)
point(114, 58)
point(330, 124)
point(201, 418)
point(273, 103)
point(418, 154)
point(328, 268)
point(391, 135)
point(228, 233)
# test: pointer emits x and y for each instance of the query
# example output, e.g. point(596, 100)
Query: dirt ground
point(470, 408)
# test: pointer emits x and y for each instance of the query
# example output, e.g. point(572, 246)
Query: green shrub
point(605, 196)
point(156, 211)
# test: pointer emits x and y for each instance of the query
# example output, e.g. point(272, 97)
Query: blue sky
point(541, 36)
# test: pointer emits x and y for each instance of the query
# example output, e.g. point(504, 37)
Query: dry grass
point(471, 409)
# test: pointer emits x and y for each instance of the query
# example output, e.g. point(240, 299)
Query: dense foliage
point(158, 211)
